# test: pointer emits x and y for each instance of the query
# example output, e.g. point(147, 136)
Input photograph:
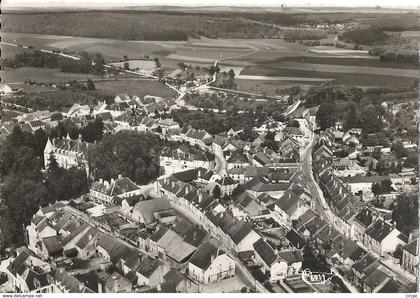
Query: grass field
point(135, 87)
point(20, 75)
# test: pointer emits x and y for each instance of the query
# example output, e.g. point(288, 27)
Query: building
point(104, 192)
point(209, 263)
point(67, 152)
point(152, 211)
point(382, 238)
point(410, 257)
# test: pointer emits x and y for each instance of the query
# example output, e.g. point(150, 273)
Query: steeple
point(48, 147)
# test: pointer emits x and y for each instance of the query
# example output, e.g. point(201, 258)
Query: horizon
point(45, 4)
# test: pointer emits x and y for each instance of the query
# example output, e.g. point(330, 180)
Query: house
point(29, 274)
point(289, 207)
point(259, 185)
point(365, 266)
point(86, 246)
point(227, 185)
point(78, 110)
point(176, 282)
point(294, 132)
point(277, 265)
point(51, 247)
point(364, 219)
point(243, 236)
point(410, 257)
point(237, 160)
point(117, 283)
point(363, 184)
point(245, 205)
point(152, 211)
point(382, 238)
point(121, 98)
point(104, 192)
point(150, 271)
point(67, 152)
point(209, 263)
point(5, 89)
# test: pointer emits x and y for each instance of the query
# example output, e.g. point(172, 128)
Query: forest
point(128, 25)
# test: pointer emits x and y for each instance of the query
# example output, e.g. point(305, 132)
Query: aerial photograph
point(209, 147)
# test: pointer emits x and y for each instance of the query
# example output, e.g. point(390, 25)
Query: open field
point(252, 59)
point(20, 75)
point(134, 87)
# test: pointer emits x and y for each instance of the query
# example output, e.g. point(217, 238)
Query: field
point(134, 87)
point(20, 75)
point(268, 61)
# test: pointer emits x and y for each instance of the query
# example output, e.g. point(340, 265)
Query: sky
point(255, 3)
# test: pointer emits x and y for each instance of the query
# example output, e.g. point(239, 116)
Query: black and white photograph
point(213, 147)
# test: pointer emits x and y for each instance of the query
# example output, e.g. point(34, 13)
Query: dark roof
point(158, 234)
point(291, 256)
point(192, 234)
point(172, 279)
point(147, 266)
point(239, 231)
point(186, 176)
point(412, 247)
point(375, 278)
point(238, 157)
point(52, 244)
point(202, 257)
point(295, 238)
point(265, 251)
point(379, 230)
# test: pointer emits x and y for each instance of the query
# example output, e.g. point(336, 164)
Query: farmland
point(268, 61)
point(134, 87)
point(20, 75)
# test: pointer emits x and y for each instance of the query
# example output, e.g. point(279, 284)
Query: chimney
point(212, 258)
point(112, 180)
point(329, 229)
point(195, 235)
point(410, 237)
point(80, 138)
point(100, 290)
point(172, 184)
point(158, 288)
point(119, 176)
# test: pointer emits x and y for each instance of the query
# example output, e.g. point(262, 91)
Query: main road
point(320, 204)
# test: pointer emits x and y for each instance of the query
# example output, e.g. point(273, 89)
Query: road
point(221, 164)
point(320, 204)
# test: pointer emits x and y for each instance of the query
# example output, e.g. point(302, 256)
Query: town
point(206, 188)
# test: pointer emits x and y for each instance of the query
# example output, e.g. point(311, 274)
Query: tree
point(370, 120)
point(325, 116)
point(128, 153)
point(57, 117)
point(399, 150)
point(231, 73)
point(90, 84)
point(126, 65)
point(405, 213)
point(93, 131)
point(351, 120)
point(216, 192)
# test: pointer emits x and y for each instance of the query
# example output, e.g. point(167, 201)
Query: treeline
point(304, 34)
point(67, 98)
point(136, 26)
point(411, 58)
point(37, 58)
point(353, 106)
point(26, 187)
point(365, 36)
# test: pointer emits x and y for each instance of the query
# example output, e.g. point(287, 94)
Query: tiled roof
point(265, 251)
point(202, 257)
